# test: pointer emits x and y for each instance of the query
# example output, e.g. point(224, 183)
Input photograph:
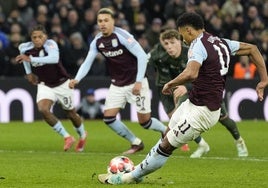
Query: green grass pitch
point(32, 156)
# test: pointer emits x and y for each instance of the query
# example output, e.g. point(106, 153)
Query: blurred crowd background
point(72, 24)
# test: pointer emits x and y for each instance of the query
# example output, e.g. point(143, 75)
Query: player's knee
point(43, 110)
point(164, 150)
point(109, 119)
point(71, 114)
point(146, 124)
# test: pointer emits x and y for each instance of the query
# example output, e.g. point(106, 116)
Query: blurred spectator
point(133, 11)
point(99, 67)
point(58, 36)
point(144, 43)
point(124, 25)
point(63, 11)
point(246, 19)
point(171, 23)
point(74, 56)
point(156, 8)
point(95, 5)
point(73, 24)
point(89, 22)
point(41, 9)
point(153, 33)
point(26, 12)
point(3, 23)
point(190, 6)
point(244, 69)
point(240, 25)
point(139, 28)
point(232, 7)
point(14, 17)
point(4, 41)
point(119, 5)
point(263, 44)
point(12, 68)
point(252, 13)
point(80, 6)
point(50, 6)
point(264, 13)
point(89, 108)
point(17, 28)
point(92, 35)
point(174, 8)
point(228, 24)
point(215, 24)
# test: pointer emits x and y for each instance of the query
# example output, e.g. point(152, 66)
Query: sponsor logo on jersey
point(114, 42)
point(113, 53)
point(101, 45)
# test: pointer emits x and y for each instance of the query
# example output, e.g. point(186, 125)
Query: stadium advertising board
point(17, 100)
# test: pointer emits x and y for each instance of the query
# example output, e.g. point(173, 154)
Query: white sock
point(121, 129)
point(202, 142)
point(58, 127)
point(151, 163)
point(81, 131)
point(157, 125)
point(137, 141)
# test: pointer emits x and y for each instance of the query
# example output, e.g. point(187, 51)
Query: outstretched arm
point(254, 54)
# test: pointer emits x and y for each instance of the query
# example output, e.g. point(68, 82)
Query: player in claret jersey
point(207, 65)
point(126, 62)
point(43, 68)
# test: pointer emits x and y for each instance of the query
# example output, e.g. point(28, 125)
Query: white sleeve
point(52, 49)
point(26, 65)
point(233, 45)
point(197, 52)
point(86, 65)
point(135, 48)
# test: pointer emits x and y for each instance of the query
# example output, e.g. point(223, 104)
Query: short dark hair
point(190, 19)
point(38, 28)
point(107, 11)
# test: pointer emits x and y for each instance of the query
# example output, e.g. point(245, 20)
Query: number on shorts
point(67, 101)
point(140, 102)
point(184, 127)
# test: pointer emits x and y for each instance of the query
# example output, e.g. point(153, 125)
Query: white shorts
point(189, 121)
point(117, 97)
point(62, 94)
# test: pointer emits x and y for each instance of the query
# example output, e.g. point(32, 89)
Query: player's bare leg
point(44, 107)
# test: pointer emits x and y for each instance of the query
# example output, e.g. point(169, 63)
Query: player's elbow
point(254, 49)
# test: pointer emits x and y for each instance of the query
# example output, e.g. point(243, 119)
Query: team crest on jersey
point(114, 43)
point(101, 45)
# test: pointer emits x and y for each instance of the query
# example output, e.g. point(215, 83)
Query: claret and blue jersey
point(126, 60)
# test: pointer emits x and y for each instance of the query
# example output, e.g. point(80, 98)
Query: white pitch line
point(252, 159)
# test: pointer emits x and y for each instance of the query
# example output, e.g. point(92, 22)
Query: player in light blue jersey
point(208, 61)
point(126, 62)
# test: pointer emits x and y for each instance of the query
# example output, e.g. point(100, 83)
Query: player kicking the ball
point(208, 61)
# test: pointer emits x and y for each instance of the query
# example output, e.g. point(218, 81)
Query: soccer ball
point(120, 164)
